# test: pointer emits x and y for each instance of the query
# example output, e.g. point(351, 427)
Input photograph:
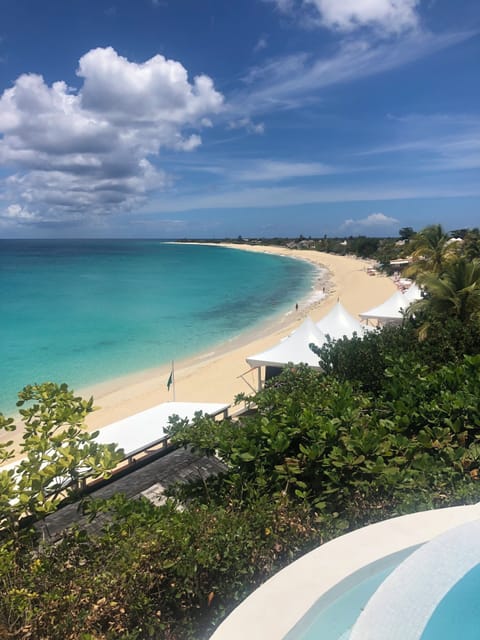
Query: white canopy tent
point(146, 429)
point(338, 323)
point(141, 431)
point(294, 348)
point(413, 293)
point(390, 312)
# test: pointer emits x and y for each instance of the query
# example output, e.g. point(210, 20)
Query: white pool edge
point(274, 608)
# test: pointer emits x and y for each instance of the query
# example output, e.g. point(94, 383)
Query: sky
point(220, 118)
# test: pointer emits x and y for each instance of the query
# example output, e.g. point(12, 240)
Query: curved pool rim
point(280, 603)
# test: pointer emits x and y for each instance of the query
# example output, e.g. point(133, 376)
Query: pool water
point(334, 614)
point(458, 614)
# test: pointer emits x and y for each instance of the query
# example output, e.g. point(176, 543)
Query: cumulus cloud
point(16, 213)
point(387, 16)
point(373, 221)
point(393, 16)
point(91, 150)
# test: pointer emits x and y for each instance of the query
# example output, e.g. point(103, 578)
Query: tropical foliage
point(454, 293)
point(154, 572)
point(390, 425)
point(351, 454)
point(55, 452)
point(433, 249)
point(319, 456)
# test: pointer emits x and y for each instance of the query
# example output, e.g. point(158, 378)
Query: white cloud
point(89, 151)
point(16, 213)
point(248, 125)
point(284, 6)
point(154, 92)
point(374, 220)
point(435, 142)
point(261, 44)
point(386, 16)
point(391, 16)
point(282, 196)
point(272, 170)
point(289, 81)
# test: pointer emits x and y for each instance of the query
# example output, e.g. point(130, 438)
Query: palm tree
point(471, 244)
point(454, 293)
point(433, 251)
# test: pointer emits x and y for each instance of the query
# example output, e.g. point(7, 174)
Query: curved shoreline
point(214, 376)
point(194, 375)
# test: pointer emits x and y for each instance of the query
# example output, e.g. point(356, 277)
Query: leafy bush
point(56, 449)
point(364, 360)
point(153, 572)
point(346, 452)
point(394, 426)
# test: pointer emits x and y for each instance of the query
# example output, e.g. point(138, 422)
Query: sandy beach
point(215, 376)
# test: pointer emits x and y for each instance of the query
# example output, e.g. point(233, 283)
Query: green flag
point(170, 380)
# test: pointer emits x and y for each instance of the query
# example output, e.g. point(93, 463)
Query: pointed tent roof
point(413, 293)
point(390, 310)
point(295, 348)
point(339, 323)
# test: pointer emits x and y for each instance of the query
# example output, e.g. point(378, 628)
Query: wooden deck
point(177, 466)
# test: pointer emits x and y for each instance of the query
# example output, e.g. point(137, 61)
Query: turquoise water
point(88, 311)
point(458, 613)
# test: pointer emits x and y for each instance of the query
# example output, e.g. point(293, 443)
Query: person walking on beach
point(296, 307)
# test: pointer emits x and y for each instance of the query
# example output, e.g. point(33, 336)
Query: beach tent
point(413, 293)
point(146, 429)
point(138, 433)
point(338, 323)
point(294, 348)
point(390, 312)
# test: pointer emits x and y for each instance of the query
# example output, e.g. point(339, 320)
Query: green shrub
point(153, 572)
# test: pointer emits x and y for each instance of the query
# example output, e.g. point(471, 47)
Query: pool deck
point(274, 608)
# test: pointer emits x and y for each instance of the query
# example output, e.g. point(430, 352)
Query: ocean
point(86, 311)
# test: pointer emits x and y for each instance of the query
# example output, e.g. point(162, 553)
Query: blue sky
point(213, 118)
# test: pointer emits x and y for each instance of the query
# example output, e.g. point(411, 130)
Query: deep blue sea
point(85, 311)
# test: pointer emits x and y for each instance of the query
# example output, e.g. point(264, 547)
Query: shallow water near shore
point(86, 311)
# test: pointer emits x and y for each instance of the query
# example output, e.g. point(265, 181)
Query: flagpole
point(173, 379)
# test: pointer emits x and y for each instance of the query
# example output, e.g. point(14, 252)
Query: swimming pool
point(458, 614)
point(334, 614)
point(326, 594)
point(425, 593)
point(430, 595)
